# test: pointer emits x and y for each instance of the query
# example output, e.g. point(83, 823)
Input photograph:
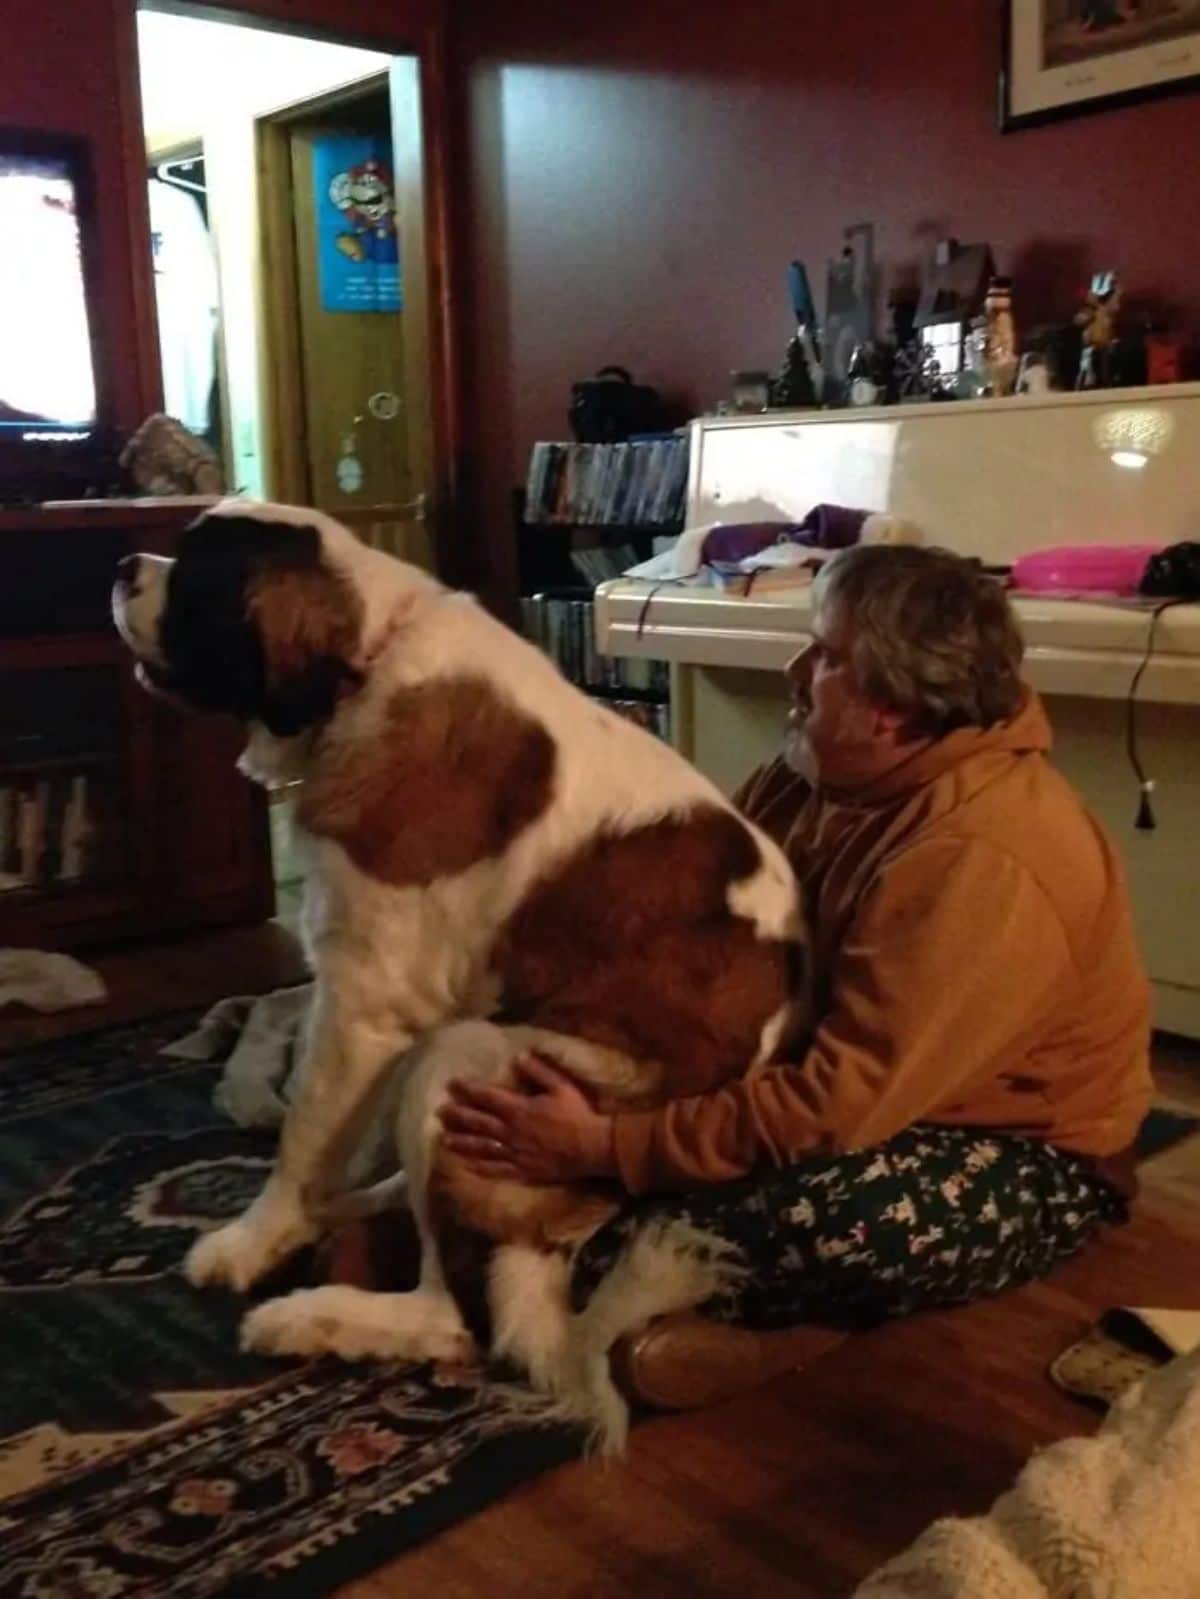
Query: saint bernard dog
point(498, 864)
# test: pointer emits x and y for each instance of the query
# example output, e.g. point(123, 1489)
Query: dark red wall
point(642, 173)
point(635, 178)
point(68, 66)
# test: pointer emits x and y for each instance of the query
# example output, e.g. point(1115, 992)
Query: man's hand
point(544, 1132)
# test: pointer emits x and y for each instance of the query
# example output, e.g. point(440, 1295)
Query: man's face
point(832, 726)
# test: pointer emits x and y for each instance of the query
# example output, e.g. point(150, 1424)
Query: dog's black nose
point(128, 568)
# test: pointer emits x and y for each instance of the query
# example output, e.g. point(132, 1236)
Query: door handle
point(384, 405)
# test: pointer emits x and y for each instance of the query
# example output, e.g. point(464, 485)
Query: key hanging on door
point(350, 467)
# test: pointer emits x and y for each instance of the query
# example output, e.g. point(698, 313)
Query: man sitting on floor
point(965, 1113)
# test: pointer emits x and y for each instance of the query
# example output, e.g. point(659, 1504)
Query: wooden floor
point(805, 1485)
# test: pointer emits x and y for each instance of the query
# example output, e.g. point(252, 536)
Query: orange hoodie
point(975, 965)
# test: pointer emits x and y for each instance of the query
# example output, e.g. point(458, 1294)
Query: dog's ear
point(260, 624)
point(309, 624)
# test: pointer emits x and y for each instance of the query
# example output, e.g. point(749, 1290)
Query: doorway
point(338, 243)
point(297, 331)
point(287, 235)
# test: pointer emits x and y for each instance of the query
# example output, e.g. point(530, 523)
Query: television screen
point(47, 378)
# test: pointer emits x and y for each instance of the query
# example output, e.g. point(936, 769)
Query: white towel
point(1116, 1516)
point(259, 1035)
point(261, 1039)
point(47, 982)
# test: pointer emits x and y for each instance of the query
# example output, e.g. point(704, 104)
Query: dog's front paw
point(357, 1325)
point(240, 1254)
point(232, 1257)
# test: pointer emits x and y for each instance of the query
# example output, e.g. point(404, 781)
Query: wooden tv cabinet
point(120, 817)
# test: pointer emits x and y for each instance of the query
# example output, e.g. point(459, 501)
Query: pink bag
point(1083, 569)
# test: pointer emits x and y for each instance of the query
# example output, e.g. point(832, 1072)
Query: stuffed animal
point(164, 458)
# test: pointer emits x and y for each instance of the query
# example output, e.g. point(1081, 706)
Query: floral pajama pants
point(936, 1216)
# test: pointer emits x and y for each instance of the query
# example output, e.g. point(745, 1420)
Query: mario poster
point(358, 251)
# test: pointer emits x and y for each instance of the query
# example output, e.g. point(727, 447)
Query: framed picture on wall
point(1063, 57)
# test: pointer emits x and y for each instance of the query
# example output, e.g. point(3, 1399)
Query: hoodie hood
point(1027, 732)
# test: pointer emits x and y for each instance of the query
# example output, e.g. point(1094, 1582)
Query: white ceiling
point(195, 72)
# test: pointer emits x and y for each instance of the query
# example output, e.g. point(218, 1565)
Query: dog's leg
point(345, 1059)
point(667, 1268)
point(427, 1323)
point(527, 1293)
point(355, 1324)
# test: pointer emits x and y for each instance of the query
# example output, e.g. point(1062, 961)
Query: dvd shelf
point(53, 830)
point(564, 628)
point(587, 514)
point(119, 818)
point(641, 483)
point(61, 778)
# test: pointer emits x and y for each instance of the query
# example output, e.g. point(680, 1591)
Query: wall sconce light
point(1130, 434)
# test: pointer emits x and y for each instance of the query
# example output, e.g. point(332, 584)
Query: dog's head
point(260, 614)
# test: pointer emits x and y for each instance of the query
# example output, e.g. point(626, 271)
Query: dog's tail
point(668, 1267)
point(361, 1203)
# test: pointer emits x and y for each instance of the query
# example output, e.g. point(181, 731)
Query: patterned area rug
point(140, 1451)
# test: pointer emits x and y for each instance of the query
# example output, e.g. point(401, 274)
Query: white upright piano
point(994, 479)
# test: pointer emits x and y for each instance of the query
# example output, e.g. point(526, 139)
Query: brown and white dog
point(498, 863)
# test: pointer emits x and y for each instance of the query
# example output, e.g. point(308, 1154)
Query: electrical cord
point(1145, 820)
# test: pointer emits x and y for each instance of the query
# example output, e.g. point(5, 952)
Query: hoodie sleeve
point(953, 958)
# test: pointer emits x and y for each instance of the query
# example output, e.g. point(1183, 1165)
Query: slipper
point(1126, 1345)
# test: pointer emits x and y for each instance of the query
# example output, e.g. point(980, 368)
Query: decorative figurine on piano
point(1000, 358)
point(1098, 320)
point(867, 375)
point(953, 294)
point(917, 374)
point(849, 322)
point(801, 379)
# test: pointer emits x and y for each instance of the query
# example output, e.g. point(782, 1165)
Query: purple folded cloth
point(826, 527)
point(833, 527)
point(734, 541)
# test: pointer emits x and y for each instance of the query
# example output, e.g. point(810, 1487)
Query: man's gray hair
point(927, 634)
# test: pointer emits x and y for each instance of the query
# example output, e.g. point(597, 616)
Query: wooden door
point(348, 398)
